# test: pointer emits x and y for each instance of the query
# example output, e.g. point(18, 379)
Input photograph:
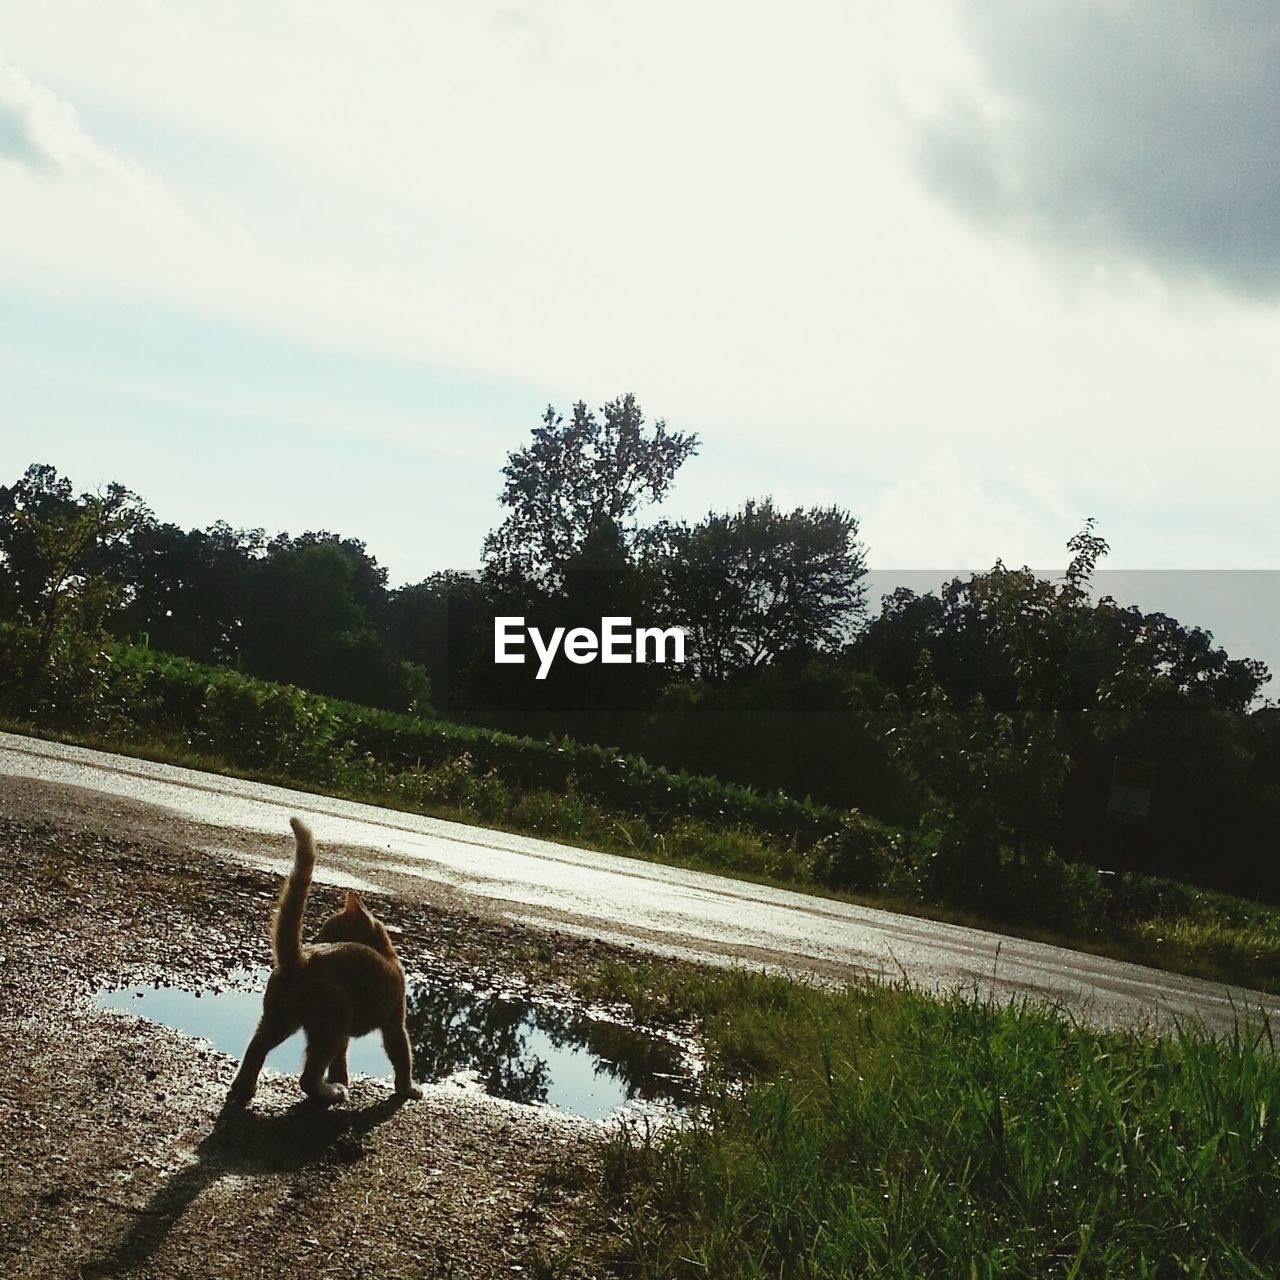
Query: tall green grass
point(880, 1132)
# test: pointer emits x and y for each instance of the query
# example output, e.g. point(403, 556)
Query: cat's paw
point(327, 1094)
point(239, 1095)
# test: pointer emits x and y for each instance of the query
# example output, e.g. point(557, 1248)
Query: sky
point(973, 269)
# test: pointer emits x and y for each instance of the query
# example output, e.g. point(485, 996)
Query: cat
point(347, 983)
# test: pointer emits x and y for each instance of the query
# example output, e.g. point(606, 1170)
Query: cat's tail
point(286, 926)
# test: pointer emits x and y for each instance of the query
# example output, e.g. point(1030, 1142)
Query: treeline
point(985, 718)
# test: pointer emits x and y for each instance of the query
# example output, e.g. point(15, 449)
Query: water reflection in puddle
point(507, 1047)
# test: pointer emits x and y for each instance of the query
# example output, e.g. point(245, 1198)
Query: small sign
point(1132, 782)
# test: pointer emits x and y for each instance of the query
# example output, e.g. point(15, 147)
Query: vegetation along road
point(657, 909)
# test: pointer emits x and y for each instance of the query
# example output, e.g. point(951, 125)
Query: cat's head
point(356, 923)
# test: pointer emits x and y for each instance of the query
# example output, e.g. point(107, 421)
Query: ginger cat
point(346, 984)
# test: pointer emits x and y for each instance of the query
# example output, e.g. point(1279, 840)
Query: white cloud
point(42, 132)
point(710, 205)
point(662, 203)
point(943, 519)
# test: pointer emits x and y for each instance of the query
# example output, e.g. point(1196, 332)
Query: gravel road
point(116, 1157)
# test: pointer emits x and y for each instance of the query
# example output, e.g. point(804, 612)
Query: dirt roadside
point(113, 1156)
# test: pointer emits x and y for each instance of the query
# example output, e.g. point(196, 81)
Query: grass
point(455, 793)
point(882, 1132)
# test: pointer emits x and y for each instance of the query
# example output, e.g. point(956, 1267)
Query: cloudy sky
point(974, 270)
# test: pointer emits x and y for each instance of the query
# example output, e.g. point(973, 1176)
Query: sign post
point(1132, 782)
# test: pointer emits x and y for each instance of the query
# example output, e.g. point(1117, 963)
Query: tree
point(1017, 695)
point(989, 757)
point(580, 483)
point(761, 585)
point(61, 556)
point(314, 610)
point(444, 624)
point(189, 590)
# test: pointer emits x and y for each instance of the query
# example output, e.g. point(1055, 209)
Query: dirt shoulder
point(114, 1158)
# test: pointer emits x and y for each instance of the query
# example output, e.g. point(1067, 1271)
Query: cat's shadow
point(249, 1143)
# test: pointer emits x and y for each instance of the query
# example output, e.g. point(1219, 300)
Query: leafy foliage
point(761, 585)
point(580, 482)
point(985, 719)
point(1021, 695)
point(59, 554)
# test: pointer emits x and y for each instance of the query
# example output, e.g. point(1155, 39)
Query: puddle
point(505, 1047)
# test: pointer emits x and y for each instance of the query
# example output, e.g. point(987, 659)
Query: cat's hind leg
point(395, 1040)
point(323, 1047)
point(338, 1067)
point(273, 1029)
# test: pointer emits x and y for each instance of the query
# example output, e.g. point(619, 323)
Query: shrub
point(858, 856)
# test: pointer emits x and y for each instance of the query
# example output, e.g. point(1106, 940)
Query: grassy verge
point(881, 1132)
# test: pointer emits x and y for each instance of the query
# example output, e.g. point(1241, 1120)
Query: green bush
point(859, 856)
point(70, 689)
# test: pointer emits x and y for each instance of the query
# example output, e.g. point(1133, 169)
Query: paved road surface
point(662, 909)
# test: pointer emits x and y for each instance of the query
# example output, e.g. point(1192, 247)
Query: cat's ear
point(354, 906)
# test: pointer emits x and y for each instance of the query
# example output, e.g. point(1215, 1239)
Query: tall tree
point(189, 589)
point(443, 623)
point(577, 485)
point(60, 556)
point(1018, 694)
point(762, 585)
